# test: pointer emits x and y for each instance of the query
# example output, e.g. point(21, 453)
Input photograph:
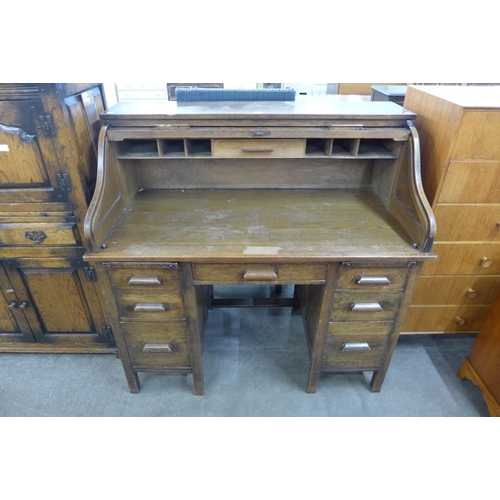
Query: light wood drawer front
point(468, 222)
point(56, 234)
point(464, 258)
point(357, 344)
point(150, 305)
point(146, 278)
point(450, 290)
point(365, 306)
point(478, 136)
point(471, 182)
point(157, 346)
point(372, 278)
point(445, 319)
point(259, 274)
point(259, 148)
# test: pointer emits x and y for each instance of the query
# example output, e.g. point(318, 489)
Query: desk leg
point(320, 335)
point(195, 325)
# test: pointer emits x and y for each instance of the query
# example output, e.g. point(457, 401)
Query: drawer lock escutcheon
point(157, 348)
point(372, 280)
point(356, 346)
point(366, 307)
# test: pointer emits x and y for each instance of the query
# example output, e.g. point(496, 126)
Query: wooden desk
point(318, 193)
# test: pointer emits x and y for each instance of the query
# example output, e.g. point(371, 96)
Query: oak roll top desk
point(319, 193)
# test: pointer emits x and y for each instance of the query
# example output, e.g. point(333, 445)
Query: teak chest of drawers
point(318, 193)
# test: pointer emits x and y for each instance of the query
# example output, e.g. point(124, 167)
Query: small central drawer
point(358, 344)
point(369, 306)
point(259, 148)
point(146, 278)
point(157, 346)
point(258, 273)
point(150, 305)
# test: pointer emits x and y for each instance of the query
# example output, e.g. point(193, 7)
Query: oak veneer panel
point(472, 182)
point(468, 222)
point(463, 258)
point(444, 319)
point(452, 290)
point(478, 136)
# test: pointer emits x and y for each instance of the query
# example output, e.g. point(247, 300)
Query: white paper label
point(4, 148)
point(262, 250)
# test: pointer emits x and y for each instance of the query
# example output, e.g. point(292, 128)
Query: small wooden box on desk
point(321, 194)
point(459, 129)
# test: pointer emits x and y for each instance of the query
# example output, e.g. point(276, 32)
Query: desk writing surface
point(265, 225)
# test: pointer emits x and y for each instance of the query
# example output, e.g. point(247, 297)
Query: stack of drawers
point(459, 129)
point(366, 304)
point(150, 307)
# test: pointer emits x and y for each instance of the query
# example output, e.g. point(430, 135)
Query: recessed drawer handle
point(157, 348)
point(356, 346)
point(372, 280)
point(366, 307)
point(257, 149)
point(260, 274)
point(144, 281)
point(150, 307)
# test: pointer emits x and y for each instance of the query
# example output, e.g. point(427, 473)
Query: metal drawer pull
point(356, 346)
point(157, 348)
point(258, 149)
point(372, 280)
point(150, 307)
point(260, 274)
point(366, 307)
point(144, 281)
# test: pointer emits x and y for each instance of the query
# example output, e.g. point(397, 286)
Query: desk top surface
point(303, 108)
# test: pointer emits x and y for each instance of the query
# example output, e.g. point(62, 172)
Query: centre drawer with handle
point(258, 148)
point(365, 306)
point(259, 273)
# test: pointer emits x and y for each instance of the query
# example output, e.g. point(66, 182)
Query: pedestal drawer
point(357, 344)
point(259, 273)
point(157, 346)
point(149, 277)
point(379, 278)
point(149, 305)
point(365, 306)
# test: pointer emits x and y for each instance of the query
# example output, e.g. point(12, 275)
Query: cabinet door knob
point(472, 294)
point(486, 262)
point(459, 321)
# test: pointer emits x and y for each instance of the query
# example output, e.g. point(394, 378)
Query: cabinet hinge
point(47, 125)
point(90, 273)
point(64, 182)
point(107, 330)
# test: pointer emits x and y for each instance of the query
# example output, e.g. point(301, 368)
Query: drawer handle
point(472, 294)
point(372, 280)
point(459, 321)
point(257, 149)
point(366, 307)
point(35, 236)
point(260, 274)
point(144, 281)
point(356, 346)
point(150, 307)
point(486, 262)
point(157, 348)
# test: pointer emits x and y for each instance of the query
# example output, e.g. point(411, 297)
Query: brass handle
point(23, 305)
point(150, 307)
point(144, 281)
point(366, 307)
point(486, 262)
point(356, 346)
point(35, 236)
point(459, 321)
point(472, 294)
point(260, 275)
point(157, 348)
point(372, 280)
point(12, 304)
point(258, 149)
